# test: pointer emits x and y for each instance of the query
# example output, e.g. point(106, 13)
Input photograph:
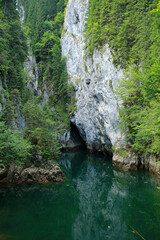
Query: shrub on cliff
point(39, 131)
point(13, 147)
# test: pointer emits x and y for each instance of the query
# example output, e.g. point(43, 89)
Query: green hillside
point(132, 30)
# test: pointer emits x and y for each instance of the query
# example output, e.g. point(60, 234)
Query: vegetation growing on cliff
point(13, 147)
point(132, 30)
point(13, 47)
point(44, 120)
point(45, 22)
point(125, 25)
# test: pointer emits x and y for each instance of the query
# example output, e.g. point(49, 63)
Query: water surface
point(96, 202)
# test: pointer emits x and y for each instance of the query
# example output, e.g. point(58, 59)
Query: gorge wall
point(95, 80)
point(67, 109)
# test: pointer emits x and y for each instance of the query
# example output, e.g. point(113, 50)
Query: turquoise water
point(96, 202)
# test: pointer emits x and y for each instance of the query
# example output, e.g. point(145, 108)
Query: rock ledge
point(127, 160)
point(50, 172)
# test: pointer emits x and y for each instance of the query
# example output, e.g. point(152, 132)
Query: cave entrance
point(76, 142)
point(75, 135)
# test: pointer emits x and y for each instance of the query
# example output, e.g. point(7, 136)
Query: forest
point(132, 30)
point(67, 172)
point(39, 34)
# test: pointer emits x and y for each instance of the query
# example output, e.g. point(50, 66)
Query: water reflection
point(96, 202)
point(111, 203)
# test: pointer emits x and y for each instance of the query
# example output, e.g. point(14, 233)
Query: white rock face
point(32, 70)
point(94, 79)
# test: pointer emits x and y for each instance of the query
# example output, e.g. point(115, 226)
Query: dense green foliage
point(140, 92)
point(13, 147)
point(44, 119)
point(132, 30)
point(45, 21)
point(13, 47)
point(125, 25)
point(39, 131)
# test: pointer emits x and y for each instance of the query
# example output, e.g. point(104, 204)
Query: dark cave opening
point(75, 142)
point(76, 137)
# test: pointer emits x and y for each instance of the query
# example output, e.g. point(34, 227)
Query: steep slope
point(33, 107)
point(95, 80)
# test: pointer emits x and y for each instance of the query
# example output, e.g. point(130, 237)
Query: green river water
point(96, 202)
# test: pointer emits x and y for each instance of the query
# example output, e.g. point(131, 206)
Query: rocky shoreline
point(127, 160)
point(47, 173)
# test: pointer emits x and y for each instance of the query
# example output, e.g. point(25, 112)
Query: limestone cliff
point(95, 80)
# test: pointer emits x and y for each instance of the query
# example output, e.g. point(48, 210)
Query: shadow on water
point(96, 202)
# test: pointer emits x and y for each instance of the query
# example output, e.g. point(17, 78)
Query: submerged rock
point(51, 172)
